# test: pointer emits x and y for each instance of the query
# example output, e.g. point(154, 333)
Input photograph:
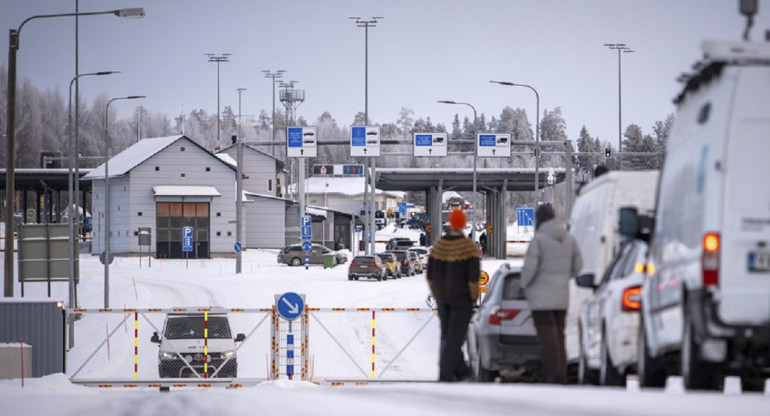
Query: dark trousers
point(454, 327)
point(550, 331)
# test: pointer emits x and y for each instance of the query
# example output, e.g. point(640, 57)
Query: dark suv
point(370, 267)
point(399, 243)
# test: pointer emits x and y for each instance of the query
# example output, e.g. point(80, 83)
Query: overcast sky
point(421, 52)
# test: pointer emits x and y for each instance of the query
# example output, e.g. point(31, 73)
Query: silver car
point(502, 340)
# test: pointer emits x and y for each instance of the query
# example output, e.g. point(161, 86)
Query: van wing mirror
point(240, 338)
point(585, 280)
point(155, 338)
point(629, 222)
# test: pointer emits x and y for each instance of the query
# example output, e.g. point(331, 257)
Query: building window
point(208, 169)
point(171, 218)
point(181, 149)
point(139, 213)
point(229, 233)
point(269, 185)
point(183, 175)
point(219, 233)
point(157, 168)
point(219, 214)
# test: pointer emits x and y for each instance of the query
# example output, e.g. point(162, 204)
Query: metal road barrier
point(116, 347)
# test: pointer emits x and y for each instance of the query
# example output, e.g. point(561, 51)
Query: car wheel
point(350, 277)
point(296, 262)
point(648, 369)
point(586, 375)
point(697, 374)
point(379, 277)
point(608, 374)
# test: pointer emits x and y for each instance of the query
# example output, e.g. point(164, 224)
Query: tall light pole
point(369, 182)
point(10, 180)
point(239, 190)
point(537, 135)
point(475, 206)
point(620, 47)
point(225, 57)
point(107, 208)
point(273, 76)
point(73, 210)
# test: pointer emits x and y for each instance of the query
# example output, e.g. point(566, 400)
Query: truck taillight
point(499, 314)
point(710, 259)
point(632, 299)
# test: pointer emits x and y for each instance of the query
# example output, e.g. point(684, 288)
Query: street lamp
point(107, 208)
point(239, 189)
point(475, 206)
point(13, 47)
point(537, 135)
point(225, 57)
point(73, 209)
point(273, 76)
point(620, 47)
point(368, 181)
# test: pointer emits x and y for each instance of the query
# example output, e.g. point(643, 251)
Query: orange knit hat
point(457, 219)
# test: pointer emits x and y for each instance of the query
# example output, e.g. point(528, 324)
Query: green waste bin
point(330, 260)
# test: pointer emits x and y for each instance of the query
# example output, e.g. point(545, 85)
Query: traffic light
point(607, 152)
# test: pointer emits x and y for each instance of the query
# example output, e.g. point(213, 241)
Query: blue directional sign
point(237, 247)
point(187, 239)
point(307, 246)
point(365, 141)
point(525, 216)
point(430, 144)
point(402, 208)
point(493, 145)
point(290, 305)
point(301, 142)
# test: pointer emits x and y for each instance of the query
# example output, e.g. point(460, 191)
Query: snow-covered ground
point(175, 283)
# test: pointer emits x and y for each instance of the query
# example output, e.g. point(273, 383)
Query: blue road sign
point(237, 247)
point(290, 305)
point(306, 246)
point(402, 208)
point(187, 232)
point(306, 220)
point(487, 140)
point(423, 140)
point(295, 137)
point(306, 232)
point(358, 136)
point(525, 217)
point(187, 243)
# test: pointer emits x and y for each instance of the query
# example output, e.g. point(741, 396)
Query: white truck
point(706, 299)
point(594, 224)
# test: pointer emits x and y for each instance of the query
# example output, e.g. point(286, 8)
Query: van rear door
point(744, 269)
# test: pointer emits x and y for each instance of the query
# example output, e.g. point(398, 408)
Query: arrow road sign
point(493, 145)
point(290, 305)
point(430, 144)
point(365, 141)
point(301, 142)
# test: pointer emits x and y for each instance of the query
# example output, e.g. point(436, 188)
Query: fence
point(117, 347)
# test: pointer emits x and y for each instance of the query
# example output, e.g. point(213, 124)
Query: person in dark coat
point(552, 258)
point(453, 273)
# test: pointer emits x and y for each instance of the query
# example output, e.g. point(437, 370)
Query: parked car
point(609, 320)
point(593, 223)
point(422, 254)
point(370, 267)
point(502, 339)
point(399, 243)
point(293, 255)
point(392, 264)
point(407, 262)
point(414, 257)
point(181, 347)
point(706, 299)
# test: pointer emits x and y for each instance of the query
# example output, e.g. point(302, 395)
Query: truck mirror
point(155, 338)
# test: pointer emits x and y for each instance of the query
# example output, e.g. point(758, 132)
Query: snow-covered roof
point(185, 190)
point(350, 186)
point(227, 159)
point(315, 211)
point(123, 162)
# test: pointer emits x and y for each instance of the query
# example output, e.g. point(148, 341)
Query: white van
point(706, 300)
point(594, 224)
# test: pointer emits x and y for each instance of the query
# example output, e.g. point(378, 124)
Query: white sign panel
point(430, 144)
point(301, 142)
point(365, 141)
point(493, 145)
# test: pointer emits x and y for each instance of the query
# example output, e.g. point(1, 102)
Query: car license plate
point(759, 261)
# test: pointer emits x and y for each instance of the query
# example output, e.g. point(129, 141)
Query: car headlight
point(227, 354)
point(168, 356)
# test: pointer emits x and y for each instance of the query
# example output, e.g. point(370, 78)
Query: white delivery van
point(706, 299)
point(594, 224)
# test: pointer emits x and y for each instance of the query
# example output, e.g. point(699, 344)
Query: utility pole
point(620, 47)
point(225, 57)
point(273, 75)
